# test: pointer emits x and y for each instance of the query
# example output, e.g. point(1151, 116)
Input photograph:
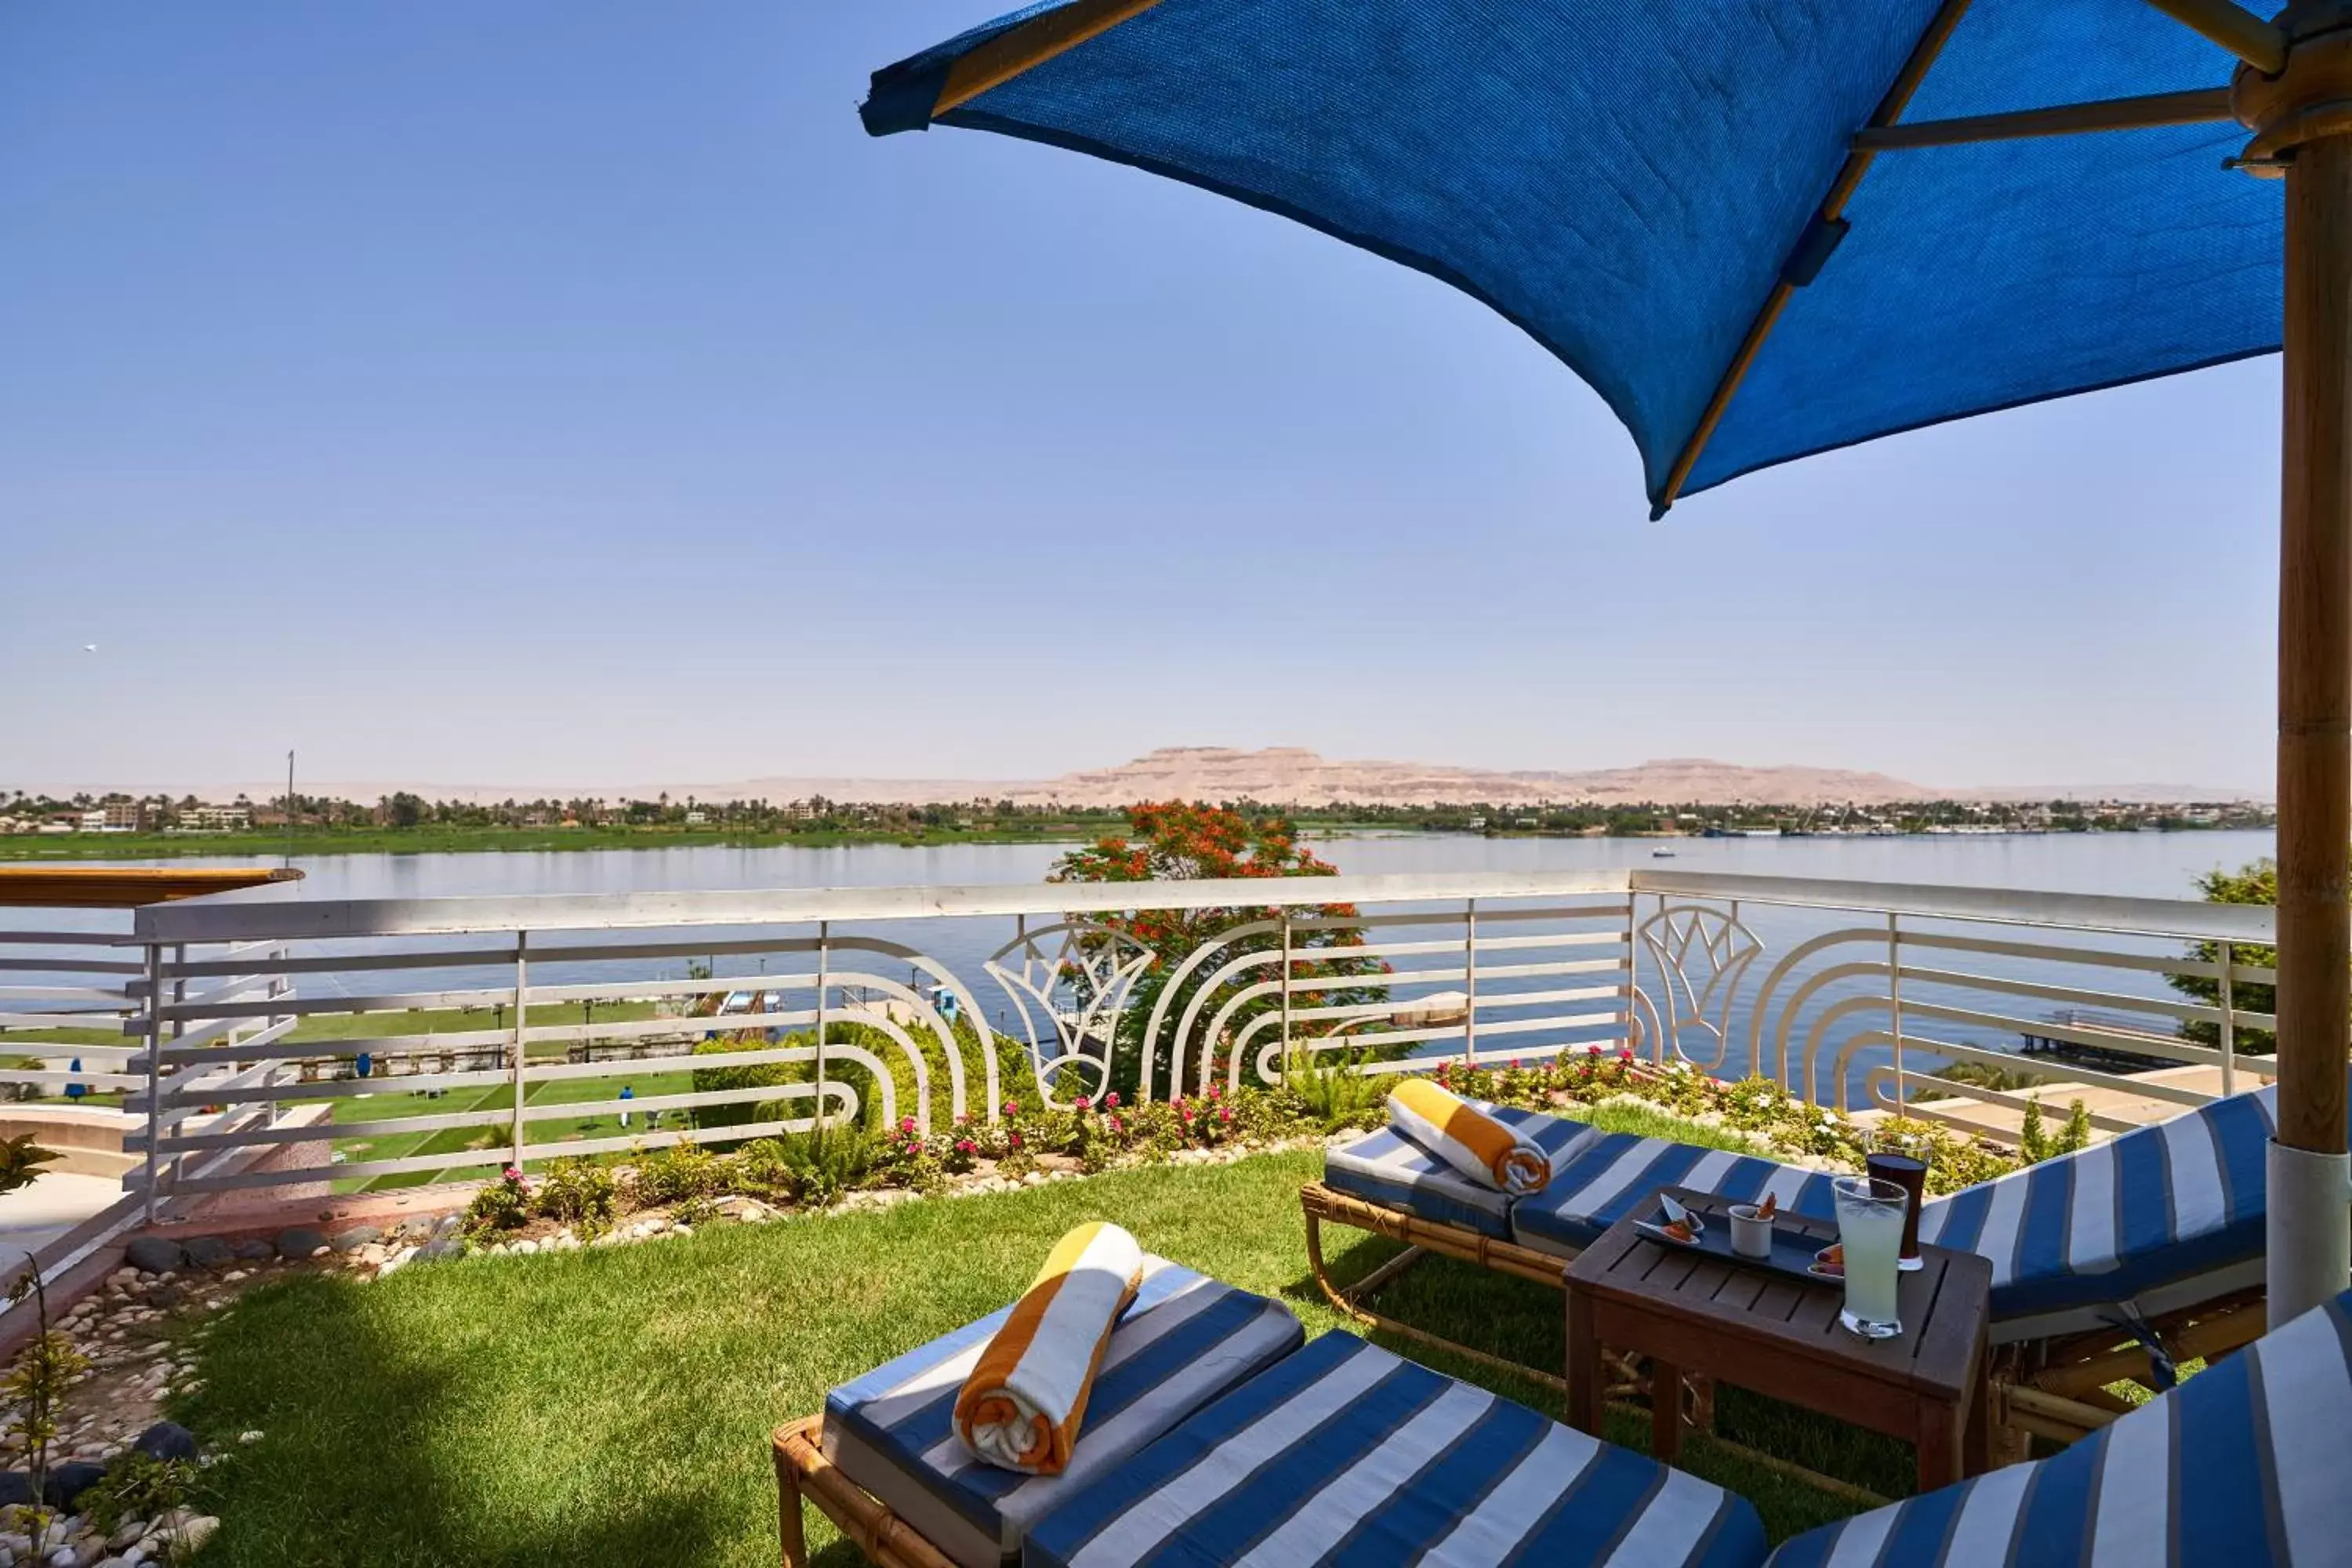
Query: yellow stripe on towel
point(1467, 1138)
point(1023, 1405)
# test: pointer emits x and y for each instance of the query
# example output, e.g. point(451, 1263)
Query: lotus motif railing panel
point(489, 1030)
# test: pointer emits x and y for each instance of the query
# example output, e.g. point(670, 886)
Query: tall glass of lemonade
point(1870, 1214)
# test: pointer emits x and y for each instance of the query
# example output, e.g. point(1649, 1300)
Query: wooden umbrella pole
point(2310, 1237)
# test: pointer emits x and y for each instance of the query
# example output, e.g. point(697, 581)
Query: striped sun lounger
point(1386, 1167)
point(1614, 1172)
point(1342, 1453)
point(2243, 1464)
point(1186, 1339)
point(2163, 1216)
point(1346, 1453)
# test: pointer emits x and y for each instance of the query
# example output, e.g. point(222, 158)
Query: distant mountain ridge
point(1293, 775)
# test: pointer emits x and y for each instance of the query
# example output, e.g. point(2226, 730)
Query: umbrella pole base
point(2310, 1254)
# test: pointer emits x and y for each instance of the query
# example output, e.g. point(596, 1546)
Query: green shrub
point(1333, 1095)
point(2076, 1135)
point(762, 1169)
point(502, 1204)
point(2033, 1140)
point(677, 1173)
point(577, 1192)
point(824, 1165)
point(756, 1075)
point(137, 1486)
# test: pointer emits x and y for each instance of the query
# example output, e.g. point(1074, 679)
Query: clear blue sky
point(568, 392)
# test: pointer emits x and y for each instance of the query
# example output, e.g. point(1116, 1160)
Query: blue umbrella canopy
point(1765, 228)
point(1672, 199)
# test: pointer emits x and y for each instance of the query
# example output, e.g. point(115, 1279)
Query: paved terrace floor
point(32, 1218)
point(2001, 1123)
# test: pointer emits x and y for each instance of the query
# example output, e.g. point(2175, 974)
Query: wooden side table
point(1780, 1337)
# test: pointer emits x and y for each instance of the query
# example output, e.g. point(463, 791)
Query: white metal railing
point(498, 1030)
point(1944, 978)
point(64, 996)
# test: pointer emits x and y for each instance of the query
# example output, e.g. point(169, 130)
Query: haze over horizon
point(582, 397)
point(1278, 774)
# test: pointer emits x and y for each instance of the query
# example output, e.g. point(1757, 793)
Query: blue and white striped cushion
point(2121, 1219)
point(1390, 1169)
point(2243, 1464)
point(1186, 1339)
point(1347, 1454)
point(1613, 1172)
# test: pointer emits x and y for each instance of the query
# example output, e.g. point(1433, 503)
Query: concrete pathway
point(31, 1217)
point(1999, 1124)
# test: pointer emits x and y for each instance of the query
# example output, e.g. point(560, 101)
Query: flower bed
point(1754, 1107)
point(577, 1202)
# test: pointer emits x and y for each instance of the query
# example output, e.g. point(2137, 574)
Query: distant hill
point(1292, 776)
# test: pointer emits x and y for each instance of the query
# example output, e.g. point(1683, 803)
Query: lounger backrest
point(2243, 1464)
point(2196, 1177)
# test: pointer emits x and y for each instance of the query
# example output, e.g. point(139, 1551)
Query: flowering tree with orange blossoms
point(1173, 841)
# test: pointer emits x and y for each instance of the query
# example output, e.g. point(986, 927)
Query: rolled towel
point(1021, 1406)
point(1483, 1149)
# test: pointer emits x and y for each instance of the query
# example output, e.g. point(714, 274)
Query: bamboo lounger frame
point(1420, 1237)
point(803, 1471)
point(2054, 1389)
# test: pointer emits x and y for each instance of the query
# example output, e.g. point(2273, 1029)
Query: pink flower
point(1012, 1108)
point(1216, 1091)
point(1084, 1103)
point(1626, 1055)
point(1225, 1113)
point(1014, 1139)
point(1111, 1099)
point(1117, 1125)
point(1592, 1050)
point(966, 1146)
point(907, 1125)
point(514, 1173)
point(1186, 1113)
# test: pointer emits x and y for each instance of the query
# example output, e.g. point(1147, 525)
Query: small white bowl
point(1751, 1233)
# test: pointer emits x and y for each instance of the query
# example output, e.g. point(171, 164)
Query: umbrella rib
point(2198, 107)
point(1849, 176)
point(2258, 43)
point(1025, 48)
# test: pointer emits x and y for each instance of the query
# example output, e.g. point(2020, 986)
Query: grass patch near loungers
point(612, 1405)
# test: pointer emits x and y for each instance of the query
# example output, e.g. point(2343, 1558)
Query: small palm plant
point(21, 1159)
point(1333, 1092)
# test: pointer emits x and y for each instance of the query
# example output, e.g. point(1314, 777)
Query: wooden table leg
point(1665, 1410)
point(1940, 1444)
point(1585, 1376)
point(1976, 1437)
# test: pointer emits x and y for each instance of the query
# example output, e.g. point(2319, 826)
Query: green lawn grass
point(391, 1105)
point(319, 1028)
point(612, 1405)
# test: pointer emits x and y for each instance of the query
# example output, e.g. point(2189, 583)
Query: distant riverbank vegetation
point(123, 827)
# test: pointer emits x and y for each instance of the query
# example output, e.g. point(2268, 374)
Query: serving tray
point(1794, 1240)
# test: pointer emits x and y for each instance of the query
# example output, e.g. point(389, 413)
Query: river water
point(2140, 865)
